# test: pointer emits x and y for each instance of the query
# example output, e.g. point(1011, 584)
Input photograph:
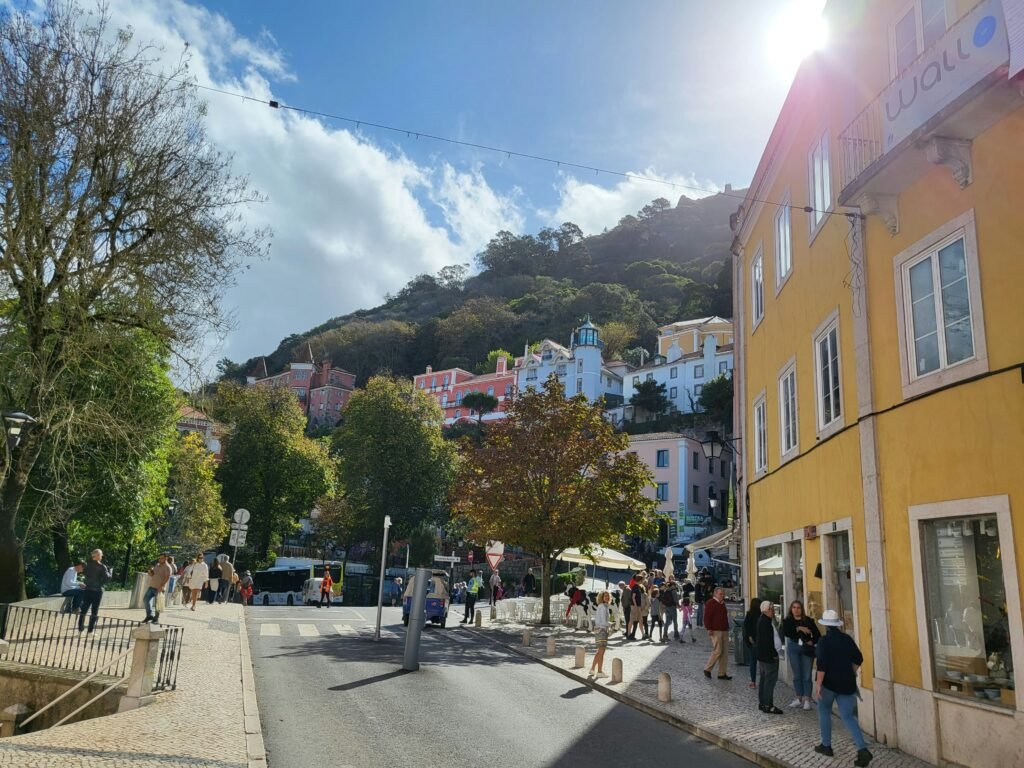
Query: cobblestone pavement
point(198, 724)
point(725, 708)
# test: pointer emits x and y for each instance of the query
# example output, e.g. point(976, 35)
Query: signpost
point(383, 567)
point(238, 530)
point(495, 554)
point(448, 559)
point(469, 556)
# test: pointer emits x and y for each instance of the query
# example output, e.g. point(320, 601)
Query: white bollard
point(551, 646)
point(581, 657)
point(526, 637)
point(479, 618)
point(616, 671)
point(664, 687)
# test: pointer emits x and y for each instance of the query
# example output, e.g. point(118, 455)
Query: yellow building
point(880, 365)
point(689, 335)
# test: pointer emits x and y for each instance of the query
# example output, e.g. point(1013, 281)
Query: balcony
point(929, 114)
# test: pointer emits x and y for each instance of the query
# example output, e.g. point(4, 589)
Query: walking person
point(198, 576)
point(473, 587)
point(96, 577)
point(495, 584)
point(213, 582)
point(802, 636)
point(159, 578)
point(325, 588)
point(750, 638)
point(700, 597)
point(71, 587)
point(529, 582)
point(602, 628)
point(227, 579)
point(172, 582)
point(768, 645)
point(686, 607)
point(636, 599)
point(625, 598)
point(245, 586)
point(669, 595)
point(838, 659)
point(716, 621)
point(655, 609)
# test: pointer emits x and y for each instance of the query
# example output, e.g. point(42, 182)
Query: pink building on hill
point(322, 390)
point(450, 386)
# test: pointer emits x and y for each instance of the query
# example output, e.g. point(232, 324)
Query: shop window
point(965, 597)
point(770, 573)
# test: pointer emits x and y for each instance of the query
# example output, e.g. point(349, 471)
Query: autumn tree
point(198, 517)
point(554, 474)
point(393, 459)
point(116, 212)
point(270, 467)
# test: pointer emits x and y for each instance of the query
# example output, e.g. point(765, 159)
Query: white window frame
point(999, 506)
point(723, 367)
point(673, 373)
point(698, 371)
point(819, 215)
point(760, 420)
point(787, 452)
point(913, 385)
point(918, 9)
point(697, 389)
point(827, 326)
point(784, 212)
point(757, 289)
point(673, 393)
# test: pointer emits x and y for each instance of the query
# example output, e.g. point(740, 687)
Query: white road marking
point(345, 629)
point(308, 630)
point(272, 630)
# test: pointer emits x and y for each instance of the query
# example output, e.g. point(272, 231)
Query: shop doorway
point(838, 577)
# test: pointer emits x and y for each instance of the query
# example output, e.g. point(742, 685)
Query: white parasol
point(670, 568)
point(691, 568)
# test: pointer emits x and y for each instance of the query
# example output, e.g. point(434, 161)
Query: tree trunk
point(12, 566)
point(12, 491)
point(61, 552)
point(545, 590)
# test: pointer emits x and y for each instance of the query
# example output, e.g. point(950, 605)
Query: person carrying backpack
point(668, 595)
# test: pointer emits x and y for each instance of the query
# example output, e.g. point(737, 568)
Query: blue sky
point(681, 89)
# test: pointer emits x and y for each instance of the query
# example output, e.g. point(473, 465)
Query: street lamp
point(17, 422)
point(712, 445)
point(383, 563)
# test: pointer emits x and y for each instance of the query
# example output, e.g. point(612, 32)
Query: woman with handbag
point(802, 635)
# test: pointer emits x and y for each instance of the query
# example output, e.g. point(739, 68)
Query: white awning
point(602, 557)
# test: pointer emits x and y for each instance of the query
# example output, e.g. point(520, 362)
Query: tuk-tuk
point(437, 598)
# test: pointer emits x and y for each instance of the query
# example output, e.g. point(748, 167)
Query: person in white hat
point(838, 658)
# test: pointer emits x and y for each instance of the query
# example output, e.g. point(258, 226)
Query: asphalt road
point(331, 696)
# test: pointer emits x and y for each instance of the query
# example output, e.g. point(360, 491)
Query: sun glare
point(797, 31)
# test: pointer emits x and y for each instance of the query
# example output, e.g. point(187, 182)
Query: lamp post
point(383, 562)
point(713, 503)
point(16, 423)
point(713, 445)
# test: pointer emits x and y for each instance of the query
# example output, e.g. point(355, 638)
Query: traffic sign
point(469, 556)
point(237, 539)
point(241, 516)
point(448, 558)
point(495, 554)
point(239, 527)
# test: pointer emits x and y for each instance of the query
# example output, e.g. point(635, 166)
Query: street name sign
point(448, 558)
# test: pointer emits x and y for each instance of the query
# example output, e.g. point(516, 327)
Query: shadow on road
point(369, 680)
point(574, 693)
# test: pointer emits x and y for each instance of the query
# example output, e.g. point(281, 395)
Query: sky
point(684, 90)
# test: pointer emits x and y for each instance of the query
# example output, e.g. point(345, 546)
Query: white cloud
point(348, 221)
point(593, 207)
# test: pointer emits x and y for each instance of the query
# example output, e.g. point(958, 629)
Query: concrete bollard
point(494, 613)
point(526, 637)
point(143, 669)
point(664, 687)
point(11, 718)
point(616, 671)
point(581, 657)
point(479, 619)
point(551, 646)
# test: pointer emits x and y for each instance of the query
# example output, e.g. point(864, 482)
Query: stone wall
point(38, 686)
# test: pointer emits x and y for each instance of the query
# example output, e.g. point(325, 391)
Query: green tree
point(490, 365)
point(333, 521)
point(616, 337)
point(423, 545)
point(117, 213)
point(715, 400)
point(554, 474)
point(476, 327)
point(393, 459)
point(650, 395)
point(270, 467)
point(481, 403)
point(198, 519)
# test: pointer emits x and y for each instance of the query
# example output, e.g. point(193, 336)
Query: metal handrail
point(78, 685)
point(98, 696)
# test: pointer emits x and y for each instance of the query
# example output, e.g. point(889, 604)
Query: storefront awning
point(719, 540)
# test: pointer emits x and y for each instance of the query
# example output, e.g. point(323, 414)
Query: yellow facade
point(928, 449)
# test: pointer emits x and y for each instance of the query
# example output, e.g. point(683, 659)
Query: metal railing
point(51, 639)
point(860, 143)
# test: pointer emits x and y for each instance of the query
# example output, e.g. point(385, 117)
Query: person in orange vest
point(325, 588)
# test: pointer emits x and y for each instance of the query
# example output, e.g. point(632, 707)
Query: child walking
point(687, 611)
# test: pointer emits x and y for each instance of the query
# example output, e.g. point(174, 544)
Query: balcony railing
point(969, 52)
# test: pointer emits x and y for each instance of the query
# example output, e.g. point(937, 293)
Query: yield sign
point(495, 554)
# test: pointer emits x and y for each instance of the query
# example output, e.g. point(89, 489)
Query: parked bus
point(284, 583)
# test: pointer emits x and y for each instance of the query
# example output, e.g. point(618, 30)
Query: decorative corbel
point(955, 154)
point(885, 206)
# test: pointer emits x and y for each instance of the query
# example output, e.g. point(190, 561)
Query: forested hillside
point(664, 264)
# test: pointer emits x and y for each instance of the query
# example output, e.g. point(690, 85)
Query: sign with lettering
point(973, 48)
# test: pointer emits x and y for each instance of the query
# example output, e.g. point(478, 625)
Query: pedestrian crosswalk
point(321, 629)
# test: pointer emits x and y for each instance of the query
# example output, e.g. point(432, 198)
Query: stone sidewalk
point(723, 712)
point(209, 720)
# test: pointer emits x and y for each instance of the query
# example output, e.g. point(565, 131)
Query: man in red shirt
point(716, 622)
